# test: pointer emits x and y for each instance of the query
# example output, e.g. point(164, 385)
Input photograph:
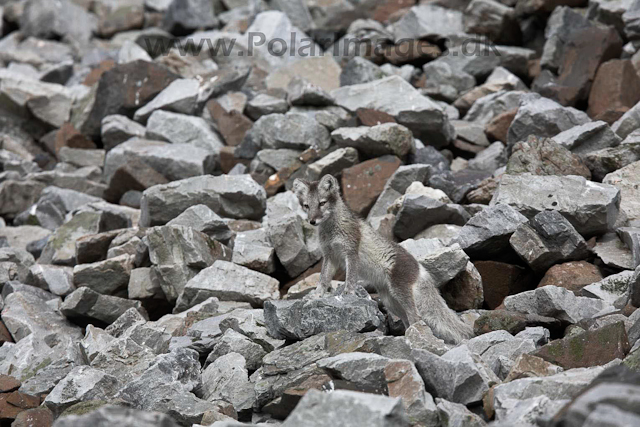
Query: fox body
point(349, 243)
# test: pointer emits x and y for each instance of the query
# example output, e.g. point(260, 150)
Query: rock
point(631, 237)
point(81, 384)
point(355, 409)
point(589, 348)
point(333, 163)
point(131, 51)
point(498, 127)
point(116, 129)
point(588, 137)
point(542, 117)
point(512, 322)
point(231, 196)
point(301, 92)
point(465, 291)
point(388, 138)
point(595, 212)
point(115, 97)
point(122, 416)
point(443, 264)
point(413, 218)
point(360, 70)
point(613, 252)
point(546, 240)
point(445, 82)
point(18, 196)
point(529, 366)
point(489, 107)
point(263, 105)
point(611, 288)
point(183, 129)
point(109, 277)
point(203, 219)
point(86, 303)
point(176, 161)
point(459, 375)
point(21, 236)
point(614, 90)
point(252, 249)
point(234, 342)
point(489, 231)
point(457, 415)
point(420, 336)
point(553, 301)
point(607, 160)
point(179, 97)
point(562, 23)
point(626, 180)
point(34, 417)
point(61, 246)
point(56, 279)
point(394, 96)
point(428, 21)
point(363, 183)
point(227, 378)
point(629, 122)
point(499, 349)
point(228, 282)
point(499, 80)
point(185, 16)
point(299, 319)
point(67, 19)
point(492, 19)
point(534, 155)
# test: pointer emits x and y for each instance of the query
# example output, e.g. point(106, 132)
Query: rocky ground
point(154, 265)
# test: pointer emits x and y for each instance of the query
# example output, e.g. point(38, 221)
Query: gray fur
point(348, 242)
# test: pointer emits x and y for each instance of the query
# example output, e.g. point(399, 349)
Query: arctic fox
point(348, 242)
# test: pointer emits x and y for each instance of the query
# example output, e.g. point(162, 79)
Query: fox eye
point(306, 206)
point(322, 203)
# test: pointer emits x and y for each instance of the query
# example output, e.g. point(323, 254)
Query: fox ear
point(300, 188)
point(329, 184)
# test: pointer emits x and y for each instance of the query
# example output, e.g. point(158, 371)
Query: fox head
point(317, 198)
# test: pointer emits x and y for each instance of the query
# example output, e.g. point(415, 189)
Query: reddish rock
point(589, 348)
point(498, 127)
point(68, 136)
point(233, 125)
point(528, 366)
point(121, 19)
point(123, 90)
point(389, 7)
point(410, 51)
point(370, 117)
point(11, 404)
point(467, 149)
point(36, 417)
point(281, 408)
point(134, 175)
point(363, 183)
point(573, 275)
point(228, 160)
point(484, 193)
point(583, 53)
point(5, 336)
point(500, 280)
point(8, 384)
point(616, 88)
point(94, 76)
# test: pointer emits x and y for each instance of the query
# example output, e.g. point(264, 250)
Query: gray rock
point(333, 163)
point(117, 415)
point(419, 212)
point(397, 185)
point(179, 97)
point(627, 181)
point(360, 70)
point(109, 277)
point(347, 407)
point(548, 239)
point(489, 159)
point(228, 282)
point(629, 122)
point(634, 291)
point(563, 22)
point(457, 415)
point(56, 279)
point(364, 370)
point(395, 96)
point(230, 196)
point(291, 130)
point(611, 288)
point(488, 107)
point(203, 219)
point(235, 342)
point(130, 52)
point(556, 302)
point(444, 82)
point(263, 105)
point(17, 196)
point(86, 303)
point(61, 246)
point(594, 212)
point(588, 137)
point(607, 160)
point(185, 16)
point(117, 129)
point(488, 232)
point(80, 385)
point(293, 243)
point(543, 117)
point(178, 253)
point(183, 129)
point(301, 92)
point(428, 21)
point(631, 237)
point(493, 19)
point(499, 350)
point(253, 249)
point(459, 375)
point(81, 157)
point(227, 379)
point(533, 156)
point(613, 252)
point(376, 141)
point(299, 319)
point(176, 161)
point(444, 264)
